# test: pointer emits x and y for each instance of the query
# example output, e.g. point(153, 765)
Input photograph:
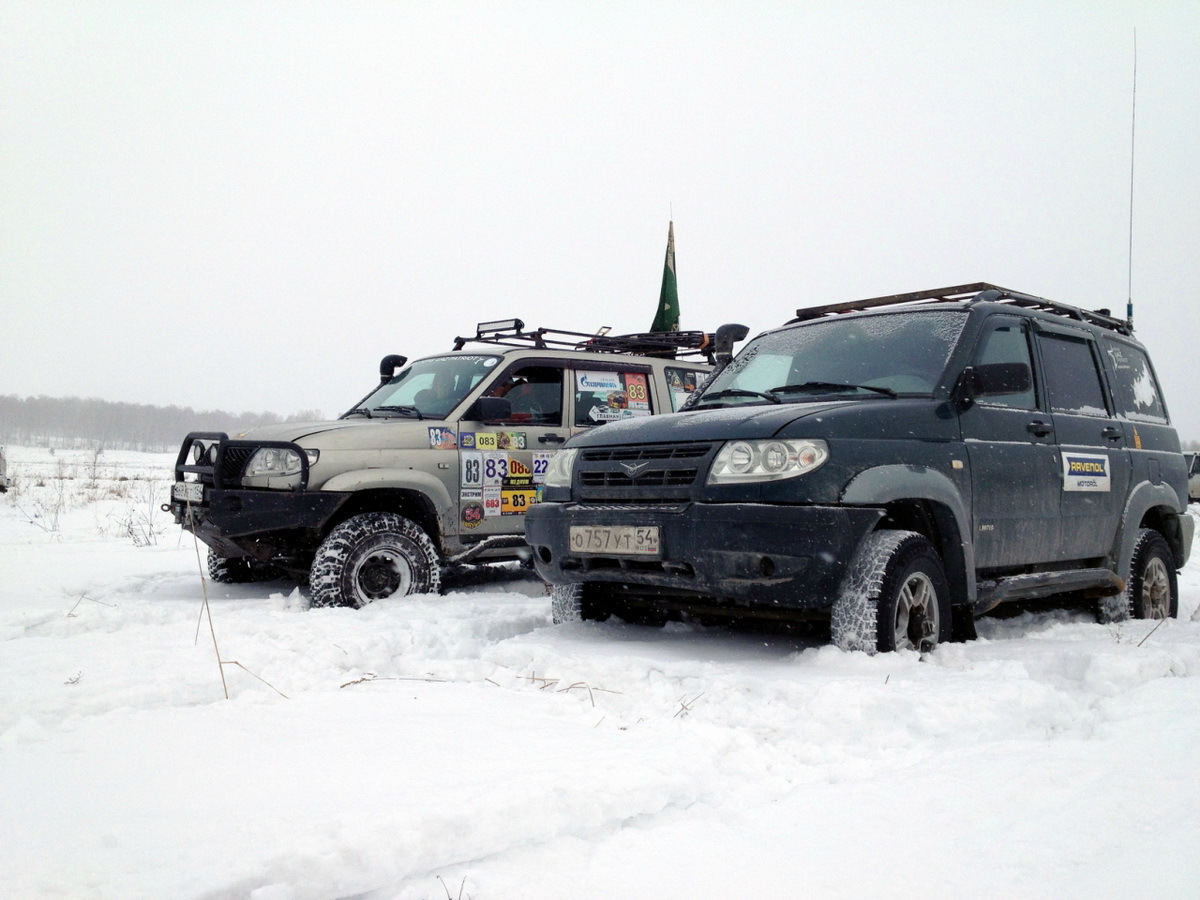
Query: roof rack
point(980, 291)
point(669, 344)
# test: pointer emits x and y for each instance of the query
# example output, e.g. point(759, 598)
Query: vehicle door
point(1150, 441)
point(608, 391)
point(1094, 474)
point(502, 462)
point(1013, 458)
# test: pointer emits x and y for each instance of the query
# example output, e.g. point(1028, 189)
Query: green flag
point(667, 317)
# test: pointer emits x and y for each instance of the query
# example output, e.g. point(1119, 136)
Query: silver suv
point(435, 467)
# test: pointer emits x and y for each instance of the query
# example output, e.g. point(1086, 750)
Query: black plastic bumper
point(259, 523)
point(757, 554)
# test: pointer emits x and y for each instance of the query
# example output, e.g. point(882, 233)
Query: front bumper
point(260, 523)
point(792, 557)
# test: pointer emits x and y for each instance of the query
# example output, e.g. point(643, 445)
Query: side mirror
point(489, 409)
point(728, 335)
point(389, 364)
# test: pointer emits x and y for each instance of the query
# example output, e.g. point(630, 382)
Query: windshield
point(428, 389)
point(897, 354)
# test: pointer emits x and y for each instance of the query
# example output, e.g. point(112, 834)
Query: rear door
point(1094, 478)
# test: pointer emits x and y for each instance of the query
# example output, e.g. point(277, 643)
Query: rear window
point(1135, 388)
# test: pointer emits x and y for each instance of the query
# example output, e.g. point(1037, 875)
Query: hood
point(357, 433)
point(747, 422)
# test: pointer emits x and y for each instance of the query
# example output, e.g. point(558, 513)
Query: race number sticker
point(541, 462)
point(472, 468)
point(1085, 472)
point(495, 467)
point(491, 500)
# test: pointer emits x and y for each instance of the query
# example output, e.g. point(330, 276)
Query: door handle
point(1038, 428)
point(551, 439)
point(1112, 433)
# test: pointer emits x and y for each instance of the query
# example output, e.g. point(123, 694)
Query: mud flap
point(962, 623)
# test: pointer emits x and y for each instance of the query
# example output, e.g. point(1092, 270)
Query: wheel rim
point(382, 573)
point(917, 614)
point(1156, 590)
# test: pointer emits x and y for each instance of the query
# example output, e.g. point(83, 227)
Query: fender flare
point(882, 485)
point(1144, 497)
point(402, 480)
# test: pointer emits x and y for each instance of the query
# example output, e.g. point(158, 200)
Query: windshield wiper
point(403, 410)
point(358, 411)
point(831, 386)
point(738, 392)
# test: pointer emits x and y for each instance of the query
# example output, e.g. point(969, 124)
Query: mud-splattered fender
point(1144, 497)
point(430, 486)
point(882, 485)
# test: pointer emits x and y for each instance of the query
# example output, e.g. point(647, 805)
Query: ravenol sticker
point(1085, 472)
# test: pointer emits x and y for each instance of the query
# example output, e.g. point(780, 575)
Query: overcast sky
point(245, 205)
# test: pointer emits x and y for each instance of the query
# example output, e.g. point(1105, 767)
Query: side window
point(1072, 380)
point(1007, 341)
point(535, 394)
point(682, 383)
point(1135, 389)
point(605, 396)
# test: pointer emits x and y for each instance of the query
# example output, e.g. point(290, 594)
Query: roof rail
point(977, 292)
point(669, 344)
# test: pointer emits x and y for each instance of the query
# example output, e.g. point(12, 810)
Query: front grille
point(233, 463)
point(662, 473)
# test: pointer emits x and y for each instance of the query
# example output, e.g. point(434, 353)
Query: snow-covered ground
point(462, 746)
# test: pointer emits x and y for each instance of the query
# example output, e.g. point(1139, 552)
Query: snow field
point(462, 742)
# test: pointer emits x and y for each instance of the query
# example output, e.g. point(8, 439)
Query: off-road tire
point(238, 569)
point(1153, 587)
point(577, 603)
point(894, 596)
point(371, 557)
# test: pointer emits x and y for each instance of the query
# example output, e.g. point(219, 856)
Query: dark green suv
point(895, 466)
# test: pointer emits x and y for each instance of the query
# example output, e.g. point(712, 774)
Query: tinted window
point(1072, 380)
point(1135, 389)
point(1006, 342)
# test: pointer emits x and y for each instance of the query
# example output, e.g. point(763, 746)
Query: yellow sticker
point(486, 440)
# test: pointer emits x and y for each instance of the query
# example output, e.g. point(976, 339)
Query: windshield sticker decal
point(1086, 472)
point(441, 438)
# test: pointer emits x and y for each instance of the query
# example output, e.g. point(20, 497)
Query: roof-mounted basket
point(667, 344)
point(980, 291)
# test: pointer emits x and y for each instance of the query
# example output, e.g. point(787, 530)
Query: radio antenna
point(1132, 148)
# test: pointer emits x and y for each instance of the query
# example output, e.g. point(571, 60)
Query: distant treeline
point(76, 422)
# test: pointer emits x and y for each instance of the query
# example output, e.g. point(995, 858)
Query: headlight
point(558, 473)
point(771, 460)
point(277, 461)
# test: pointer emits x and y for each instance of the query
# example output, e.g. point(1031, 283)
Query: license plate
point(188, 491)
point(615, 540)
